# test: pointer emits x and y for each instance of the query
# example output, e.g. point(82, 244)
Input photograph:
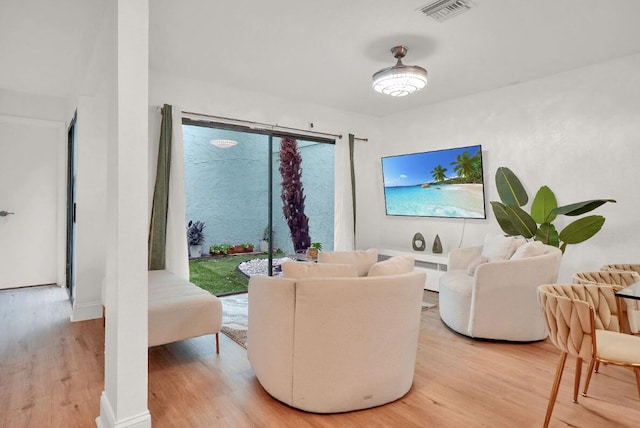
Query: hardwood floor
point(51, 375)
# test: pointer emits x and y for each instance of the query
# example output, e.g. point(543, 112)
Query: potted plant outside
point(235, 249)
point(247, 247)
point(313, 250)
point(219, 249)
point(195, 237)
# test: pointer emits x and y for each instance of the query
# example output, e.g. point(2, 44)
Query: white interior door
point(29, 181)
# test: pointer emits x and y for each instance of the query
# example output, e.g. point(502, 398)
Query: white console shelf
point(433, 264)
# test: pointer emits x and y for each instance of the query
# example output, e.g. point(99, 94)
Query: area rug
point(235, 318)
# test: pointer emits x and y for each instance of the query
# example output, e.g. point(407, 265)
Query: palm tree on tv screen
point(438, 173)
point(468, 167)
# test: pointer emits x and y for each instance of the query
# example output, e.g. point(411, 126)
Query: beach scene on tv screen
point(443, 183)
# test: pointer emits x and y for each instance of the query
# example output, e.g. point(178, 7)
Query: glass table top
point(630, 292)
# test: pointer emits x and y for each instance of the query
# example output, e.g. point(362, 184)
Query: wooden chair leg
point(637, 371)
point(576, 380)
point(593, 362)
point(217, 343)
point(554, 389)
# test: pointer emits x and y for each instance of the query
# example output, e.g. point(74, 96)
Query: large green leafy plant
point(544, 209)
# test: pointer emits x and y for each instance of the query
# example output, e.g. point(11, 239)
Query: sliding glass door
point(228, 187)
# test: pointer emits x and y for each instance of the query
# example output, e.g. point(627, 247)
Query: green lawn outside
point(220, 275)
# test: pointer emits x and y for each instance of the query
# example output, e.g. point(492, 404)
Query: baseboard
point(107, 418)
point(86, 311)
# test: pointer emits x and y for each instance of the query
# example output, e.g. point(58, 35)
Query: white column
point(124, 400)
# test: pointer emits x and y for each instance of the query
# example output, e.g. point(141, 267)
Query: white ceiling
point(324, 52)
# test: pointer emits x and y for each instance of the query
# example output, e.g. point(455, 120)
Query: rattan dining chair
point(572, 312)
point(632, 306)
point(625, 267)
point(617, 279)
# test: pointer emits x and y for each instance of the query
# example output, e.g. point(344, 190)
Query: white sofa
point(334, 344)
point(497, 299)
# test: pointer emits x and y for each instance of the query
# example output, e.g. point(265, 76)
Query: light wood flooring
point(51, 375)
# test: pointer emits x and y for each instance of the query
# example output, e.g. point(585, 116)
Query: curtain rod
point(269, 126)
point(252, 124)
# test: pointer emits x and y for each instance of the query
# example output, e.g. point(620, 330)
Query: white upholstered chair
point(362, 259)
point(322, 339)
point(494, 296)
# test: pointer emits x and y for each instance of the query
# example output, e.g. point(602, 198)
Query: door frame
point(271, 134)
point(71, 208)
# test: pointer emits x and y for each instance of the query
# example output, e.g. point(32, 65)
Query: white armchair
point(497, 299)
point(323, 340)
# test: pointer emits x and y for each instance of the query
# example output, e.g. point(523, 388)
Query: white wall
point(44, 107)
point(207, 98)
point(576, 132)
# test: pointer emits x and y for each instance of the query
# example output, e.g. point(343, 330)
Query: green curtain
point(353, 186)
point(158, 224)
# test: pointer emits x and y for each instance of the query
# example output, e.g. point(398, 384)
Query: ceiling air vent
point(442, 10)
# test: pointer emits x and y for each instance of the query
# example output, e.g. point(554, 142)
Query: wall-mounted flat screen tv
point(442, 183)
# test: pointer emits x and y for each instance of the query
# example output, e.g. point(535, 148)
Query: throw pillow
point(471, 269)
point(317, 270)
point(530, 249)
point(519, 241)
point(498, 247)
point(392, 266)
point(362, 259)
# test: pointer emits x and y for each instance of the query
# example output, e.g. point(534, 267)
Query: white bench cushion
point(180, 310)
